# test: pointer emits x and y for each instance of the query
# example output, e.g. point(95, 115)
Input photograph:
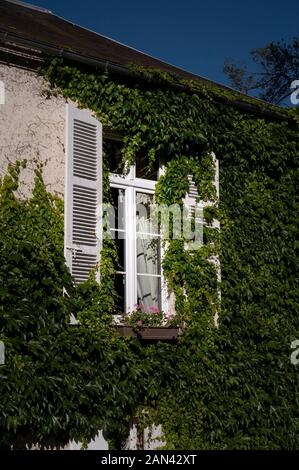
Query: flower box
point(150, 333)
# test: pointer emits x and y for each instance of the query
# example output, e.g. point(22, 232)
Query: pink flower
point(139, 323)
point(138, 306)
point(154, 309)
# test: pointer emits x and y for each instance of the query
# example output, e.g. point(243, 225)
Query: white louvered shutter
point(83, 192)
point(191, 196)
point(193, 213)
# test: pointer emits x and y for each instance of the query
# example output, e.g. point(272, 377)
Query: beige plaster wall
point(32, 127)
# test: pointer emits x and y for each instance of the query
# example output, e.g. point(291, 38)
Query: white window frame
point(131, 185)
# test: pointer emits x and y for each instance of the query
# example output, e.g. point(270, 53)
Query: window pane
point(142, 162)
point(144, 210)
point(148, 255)
point(120, 287)
point(120, 245)
point(117, 214)
point(148, 291)
point(112, 150)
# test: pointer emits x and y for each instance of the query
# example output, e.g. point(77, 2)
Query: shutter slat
point(83, 192)
point(192, 192)
point(79, 124)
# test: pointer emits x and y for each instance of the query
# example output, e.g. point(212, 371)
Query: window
point(139, 274)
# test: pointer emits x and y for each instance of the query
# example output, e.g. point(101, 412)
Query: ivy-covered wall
point(227, 387)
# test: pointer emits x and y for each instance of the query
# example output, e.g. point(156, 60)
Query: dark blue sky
point(193, 34)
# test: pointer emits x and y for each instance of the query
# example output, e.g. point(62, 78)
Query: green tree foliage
point(278, 67)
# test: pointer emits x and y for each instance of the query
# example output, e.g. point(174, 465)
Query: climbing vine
point(227, 387)
point(60, 381)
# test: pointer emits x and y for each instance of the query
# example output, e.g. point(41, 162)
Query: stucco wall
point(32, 126)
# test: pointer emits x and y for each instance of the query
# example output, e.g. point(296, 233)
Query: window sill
point(151, 333)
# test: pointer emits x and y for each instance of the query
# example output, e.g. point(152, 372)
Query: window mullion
point(131, 289)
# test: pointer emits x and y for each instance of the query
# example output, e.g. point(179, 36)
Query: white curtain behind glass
point(148, 255)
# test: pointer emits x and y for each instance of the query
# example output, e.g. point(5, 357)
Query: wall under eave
point(32, 127)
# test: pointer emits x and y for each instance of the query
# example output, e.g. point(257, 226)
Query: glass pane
point(144, 210)
point(148, 255)
point(120, 287)
point(112, 151)
point(117, 213)
point(142, 162)
point(120, 245)
point(149, 291)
